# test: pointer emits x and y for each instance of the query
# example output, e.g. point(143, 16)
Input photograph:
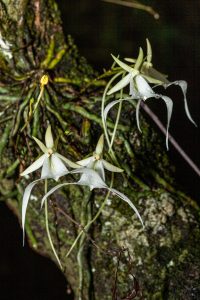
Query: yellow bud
point(44, 80)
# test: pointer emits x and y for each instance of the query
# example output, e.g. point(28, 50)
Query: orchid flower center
point(97, 156)
point(50, 151)
point(148, 65)
point(135, 72)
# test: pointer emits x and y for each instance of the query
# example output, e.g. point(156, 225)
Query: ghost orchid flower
point(52, 164)
point(140, 88)
point(96, 161)
point(129, 78)
point(142, 91)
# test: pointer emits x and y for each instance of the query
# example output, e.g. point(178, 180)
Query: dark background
point(99, 29)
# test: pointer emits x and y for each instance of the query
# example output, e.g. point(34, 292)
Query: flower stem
point(117, 120)
point(47, 228)
point(103, 106)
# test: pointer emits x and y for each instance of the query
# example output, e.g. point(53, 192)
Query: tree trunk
point(164, 258)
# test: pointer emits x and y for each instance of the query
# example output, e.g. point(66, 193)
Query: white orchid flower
point(133, 73)
point(96, 161)
point(93, 180)
point(150, 74)
point(140, 89)
point(52, 164)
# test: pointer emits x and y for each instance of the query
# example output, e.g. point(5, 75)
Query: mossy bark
point(164, 258)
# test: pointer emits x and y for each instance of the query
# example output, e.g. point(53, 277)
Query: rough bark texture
point(165, 256)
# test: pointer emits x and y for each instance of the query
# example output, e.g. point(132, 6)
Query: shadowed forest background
point(99, 29)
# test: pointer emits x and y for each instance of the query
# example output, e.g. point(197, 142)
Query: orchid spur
point(140, 90)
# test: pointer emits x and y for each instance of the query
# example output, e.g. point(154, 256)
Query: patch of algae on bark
point(167, 246)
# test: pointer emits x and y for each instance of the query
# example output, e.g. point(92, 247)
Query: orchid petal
point(99, 168)
point(132, 91)
point(57, 167)
point(41, 145)
point(131, 60)
point(183, 86)
point(121, 84)
point(122, 64)
point(127, 200)
point(137, 114)
point(85, 162)
point(67, 161)
point(139, 59)
point(153, 73)
point(111, 167)
point(152, 80)
point(100, 144)
point(143, 87)
point(149, 51)
point(25, 200)
point(46, 168)
point(35, 166)
point(169, 105)
point(111, 104)
point(90, 178)
point(49, 138)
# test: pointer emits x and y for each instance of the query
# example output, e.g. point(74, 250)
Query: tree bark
point(164, 258)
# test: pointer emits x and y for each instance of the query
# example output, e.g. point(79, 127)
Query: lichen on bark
point(164, 256)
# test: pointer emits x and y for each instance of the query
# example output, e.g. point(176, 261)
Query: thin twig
point(137, 5)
